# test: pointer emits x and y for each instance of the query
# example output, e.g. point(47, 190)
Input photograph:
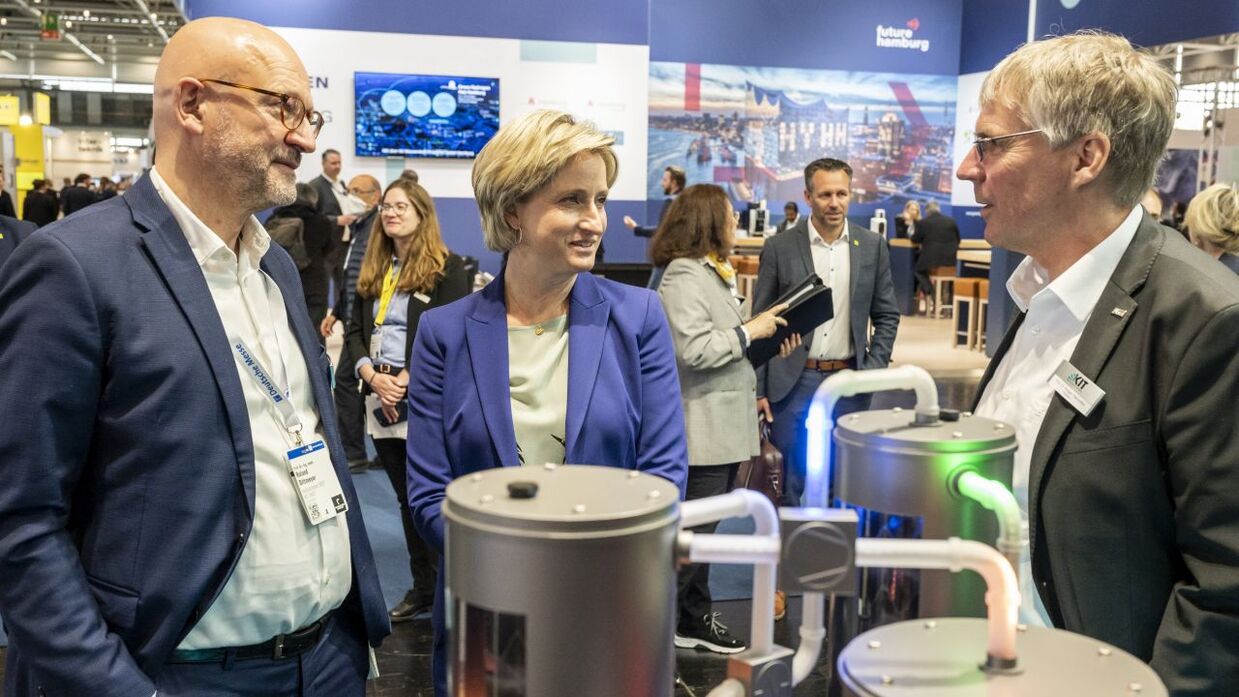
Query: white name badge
point(422, 297)
point(1079, 391)
point(315, 480)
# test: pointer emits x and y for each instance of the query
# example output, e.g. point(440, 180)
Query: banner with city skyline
point(752, 130)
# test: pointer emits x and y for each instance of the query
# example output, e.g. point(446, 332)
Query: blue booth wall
point(964, 36)
point(826, 53)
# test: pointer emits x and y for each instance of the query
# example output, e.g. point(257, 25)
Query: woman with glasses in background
point(407, 270)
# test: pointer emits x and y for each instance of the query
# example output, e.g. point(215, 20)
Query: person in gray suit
point(717, 383)
point(1120, 372)
point(855, 264)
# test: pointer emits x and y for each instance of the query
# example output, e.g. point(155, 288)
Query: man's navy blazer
point(13, 231)
point(126, 459)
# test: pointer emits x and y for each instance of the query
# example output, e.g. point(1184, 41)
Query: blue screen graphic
point(424, 115)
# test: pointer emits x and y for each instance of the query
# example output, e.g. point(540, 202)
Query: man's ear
point(1090, 154)
point(190, 105)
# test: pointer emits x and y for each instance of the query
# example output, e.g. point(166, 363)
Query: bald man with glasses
point(176, 515)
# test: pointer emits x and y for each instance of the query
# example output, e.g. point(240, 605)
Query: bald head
point(366, 188)
point(214, 136)
point(222, 48)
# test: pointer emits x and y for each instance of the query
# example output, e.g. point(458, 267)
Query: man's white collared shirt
point(290, 572)
point(833, 263)
point(1019, 392)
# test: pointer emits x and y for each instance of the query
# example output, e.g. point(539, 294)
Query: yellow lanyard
point(389, 289)
point(722, 266)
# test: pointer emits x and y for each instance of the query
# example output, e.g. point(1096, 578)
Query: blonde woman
point(905, 222)
point(547, 363)
point(406, 270)
point(1212, 222)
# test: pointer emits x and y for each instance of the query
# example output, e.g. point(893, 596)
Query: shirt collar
point(815, 236)
point(1079, 287)
point(202, 240)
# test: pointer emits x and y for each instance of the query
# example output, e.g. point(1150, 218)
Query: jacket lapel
point(1097, 342)
point(1003, 347)
point(588, 313)
point(486, 333)
point(803, 254)
point(171, 254)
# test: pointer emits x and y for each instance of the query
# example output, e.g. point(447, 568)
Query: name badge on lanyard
point(309, 464)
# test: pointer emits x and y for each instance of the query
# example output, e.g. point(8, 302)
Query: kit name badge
point(1079, 391)
point(316, 482)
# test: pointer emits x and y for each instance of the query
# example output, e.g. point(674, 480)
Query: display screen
point(424, 115)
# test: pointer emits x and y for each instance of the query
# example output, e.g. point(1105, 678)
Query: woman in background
point(407, 270)
point(905, 222)
point(717, 383)
point(1212, 223)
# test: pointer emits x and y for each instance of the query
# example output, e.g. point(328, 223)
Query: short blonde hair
point(524, 156)
point(1213, 216)
point(1089, 82)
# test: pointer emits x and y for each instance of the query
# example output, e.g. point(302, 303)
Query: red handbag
point(763, 473)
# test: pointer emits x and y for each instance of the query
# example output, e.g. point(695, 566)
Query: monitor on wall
point(424, 115)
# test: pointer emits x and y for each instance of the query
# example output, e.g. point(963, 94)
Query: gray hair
point(1092, 82)
point(932, 207)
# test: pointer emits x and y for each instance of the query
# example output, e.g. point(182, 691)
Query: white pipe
point(734, 549)
point(846, 383)
point(729, 688)
point(812, 634)
point(737, 504)
point(999, 499)
point(1002, 594)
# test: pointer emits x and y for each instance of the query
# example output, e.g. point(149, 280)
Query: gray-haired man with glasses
point(176, 515)
point(1121, 371)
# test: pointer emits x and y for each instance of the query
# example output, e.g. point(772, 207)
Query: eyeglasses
point(292, 109)
point(400, 208)
point(982, 143)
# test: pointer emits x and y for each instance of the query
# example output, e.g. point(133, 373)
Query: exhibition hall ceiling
point(44, 36)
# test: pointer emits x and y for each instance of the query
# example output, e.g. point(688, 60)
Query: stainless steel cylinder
point(888, 465)
point(561, 582)
point(941, 658)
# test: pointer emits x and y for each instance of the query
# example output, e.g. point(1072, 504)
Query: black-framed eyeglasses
point(292, 109)
point(982, 143)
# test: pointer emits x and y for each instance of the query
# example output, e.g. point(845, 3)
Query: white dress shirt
point(832, 341)
point(290, 573)
point(1019, 392)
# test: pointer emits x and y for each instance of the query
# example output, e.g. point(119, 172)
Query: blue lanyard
point(280, 398)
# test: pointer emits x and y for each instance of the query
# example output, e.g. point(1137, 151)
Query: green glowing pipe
point(995, 497)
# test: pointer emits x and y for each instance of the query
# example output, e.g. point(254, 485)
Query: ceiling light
point(4, 21)
point(111, 38)
point(85, 13)
point(25, 119)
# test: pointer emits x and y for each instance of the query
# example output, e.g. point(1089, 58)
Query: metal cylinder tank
point(561, 582)
point(940, 658)
point(900, 474)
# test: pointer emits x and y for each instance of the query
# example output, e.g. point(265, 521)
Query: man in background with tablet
point(855, 264)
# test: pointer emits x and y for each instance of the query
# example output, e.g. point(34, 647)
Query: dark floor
point(404, 658)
